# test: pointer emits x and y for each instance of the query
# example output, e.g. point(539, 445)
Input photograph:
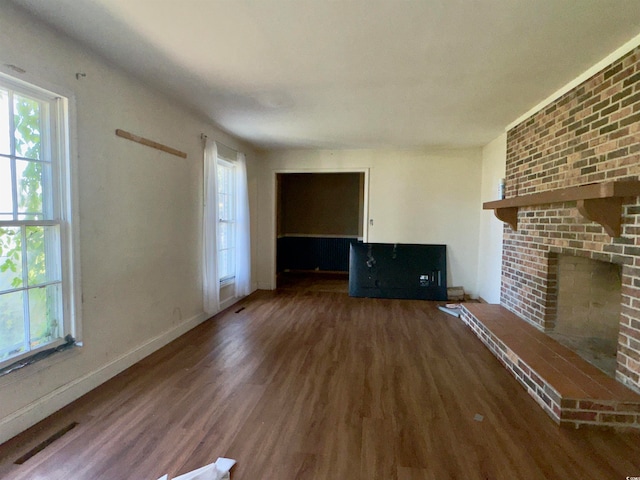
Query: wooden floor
point(336, 282)
point(307, 384)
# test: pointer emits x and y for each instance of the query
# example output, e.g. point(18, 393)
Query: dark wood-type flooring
point(312, 384)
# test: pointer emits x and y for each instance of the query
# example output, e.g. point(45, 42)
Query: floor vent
point(239, 310)
point(41, 446)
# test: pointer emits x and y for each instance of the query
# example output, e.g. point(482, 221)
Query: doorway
point(318, 216)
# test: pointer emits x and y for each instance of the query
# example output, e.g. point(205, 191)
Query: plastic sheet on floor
point(219, 470)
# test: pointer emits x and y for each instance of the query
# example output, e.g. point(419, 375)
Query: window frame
point(230, 166)
point(58, 143)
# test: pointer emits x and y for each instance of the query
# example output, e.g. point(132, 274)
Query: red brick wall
point(590, 134)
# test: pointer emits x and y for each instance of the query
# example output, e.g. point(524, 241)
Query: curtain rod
point(204, 137)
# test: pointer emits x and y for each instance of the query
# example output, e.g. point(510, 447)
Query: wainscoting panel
point(314, 253)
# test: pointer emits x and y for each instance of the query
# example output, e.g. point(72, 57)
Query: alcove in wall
point(318, 216)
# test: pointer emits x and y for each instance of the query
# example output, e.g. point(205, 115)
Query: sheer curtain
point(210, 277)
point(243, 239)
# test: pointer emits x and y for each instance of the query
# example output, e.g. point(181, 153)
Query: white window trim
point(67, 183)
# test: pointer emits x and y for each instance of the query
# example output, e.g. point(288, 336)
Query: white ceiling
point(352, 74)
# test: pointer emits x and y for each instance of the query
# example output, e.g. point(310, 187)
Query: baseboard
point(228, 302)
point(40, 409)
point(265, 286)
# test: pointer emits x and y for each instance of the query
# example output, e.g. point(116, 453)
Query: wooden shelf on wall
point(149, 143)
point(598, 202)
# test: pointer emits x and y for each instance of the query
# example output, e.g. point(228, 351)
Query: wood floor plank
point(378, 460)
point(312, 384)
point(406, 473)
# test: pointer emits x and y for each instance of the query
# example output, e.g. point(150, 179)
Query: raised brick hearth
point(572, 391)
point(589, 135)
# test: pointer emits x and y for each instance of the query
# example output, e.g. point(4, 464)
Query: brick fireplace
point(591, 134)
point(587, 140)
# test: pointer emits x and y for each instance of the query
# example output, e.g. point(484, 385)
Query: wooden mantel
point(598, 202)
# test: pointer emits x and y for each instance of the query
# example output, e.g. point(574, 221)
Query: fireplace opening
point(588, 309)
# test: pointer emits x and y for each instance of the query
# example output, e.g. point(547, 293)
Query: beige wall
point(320, 204)
point(415, 196)
point(494, 157)
point(140, 213)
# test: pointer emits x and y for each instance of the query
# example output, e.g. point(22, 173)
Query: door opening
point(318, 216)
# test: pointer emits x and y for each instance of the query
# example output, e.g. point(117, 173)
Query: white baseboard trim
point(40, 409)
point(265, 286)
point(228, 302)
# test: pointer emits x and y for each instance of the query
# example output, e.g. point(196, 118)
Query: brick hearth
point(569, 389)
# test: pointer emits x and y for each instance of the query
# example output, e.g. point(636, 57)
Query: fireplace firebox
point(588, 309)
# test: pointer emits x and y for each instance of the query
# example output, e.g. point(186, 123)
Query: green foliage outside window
point(29, 182)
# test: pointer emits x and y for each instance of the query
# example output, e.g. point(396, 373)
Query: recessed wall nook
point(572, 207)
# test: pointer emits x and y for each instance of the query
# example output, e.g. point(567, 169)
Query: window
point(36, 307)
point(227, 221)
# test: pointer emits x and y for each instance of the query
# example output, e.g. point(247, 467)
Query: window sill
point(228, 281)
point(39, 366)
